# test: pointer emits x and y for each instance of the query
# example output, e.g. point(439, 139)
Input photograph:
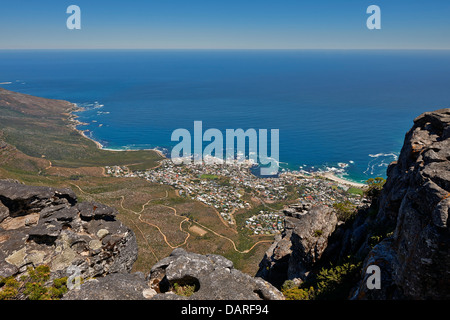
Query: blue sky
point(225, 24)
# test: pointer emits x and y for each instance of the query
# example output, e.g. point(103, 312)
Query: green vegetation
point(209, 177)
point(184, 290)
point(33, 286)
point(318, 233)
point(332, 283)
point(379, 232)
point(345, 210)
point(298, 293)
point(376, 239)
point(46, 132)
point(356, 191)
point(9, 288)
point(375, 187)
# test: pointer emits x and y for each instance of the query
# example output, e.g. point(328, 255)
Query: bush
point(318, 233)
point(376, 239)
point(298, 294)
point(184, 290)
point(288, 284)
point(9, 288)
point(375, 187)
point(329, 284)
point(33, 286)
point(345, 210)
point(336, 282)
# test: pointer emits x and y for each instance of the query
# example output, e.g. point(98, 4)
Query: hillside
point(44, 128)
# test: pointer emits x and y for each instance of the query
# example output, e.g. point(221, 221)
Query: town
point(231, 187)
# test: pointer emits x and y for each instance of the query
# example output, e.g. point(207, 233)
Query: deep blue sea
point(351, 108)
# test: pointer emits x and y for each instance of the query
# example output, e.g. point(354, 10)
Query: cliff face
point(410, 217)
point(416, 200)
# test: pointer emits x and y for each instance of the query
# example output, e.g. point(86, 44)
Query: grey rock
point(415, 201)
point(115, 286)
point(302, 244)
point(89, 210)
point(4, 212)
point(21, 199)
point(48, 226)
point(213, 277)
point(7, 270)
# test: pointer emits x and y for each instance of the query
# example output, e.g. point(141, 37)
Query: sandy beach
point(337, 179)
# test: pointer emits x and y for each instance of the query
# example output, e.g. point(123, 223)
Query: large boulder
point(301, 245)
point(212, 276)
point(115, 286)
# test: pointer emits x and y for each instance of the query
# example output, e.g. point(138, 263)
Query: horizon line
point(235, 49)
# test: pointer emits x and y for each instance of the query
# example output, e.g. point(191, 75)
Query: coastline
point(74, 123)
point(333, 177)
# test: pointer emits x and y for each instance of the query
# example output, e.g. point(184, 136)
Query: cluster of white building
point(224, 186)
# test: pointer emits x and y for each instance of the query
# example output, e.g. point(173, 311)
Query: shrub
point(33, 286)
point(375, 187)
point(329, 284)
point(376, 239)
point(336, 282)
point(318, 233)
point(184, 290)
point(298, 293)
point(345, 210)
point(288, 284)
point(9, 288)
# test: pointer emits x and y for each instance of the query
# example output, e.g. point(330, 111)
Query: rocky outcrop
point(300, 246)
point(415, 261)
point(41, 225)
point(212, 277)
point(405, 231)
point(116, 286)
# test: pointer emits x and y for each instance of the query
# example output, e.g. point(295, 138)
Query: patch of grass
point(209, 177)
point(356, 191)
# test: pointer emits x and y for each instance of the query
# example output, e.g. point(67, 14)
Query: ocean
point(336, 110)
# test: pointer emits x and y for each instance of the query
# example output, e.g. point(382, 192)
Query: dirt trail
point(154, 225)
point(139, 214)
